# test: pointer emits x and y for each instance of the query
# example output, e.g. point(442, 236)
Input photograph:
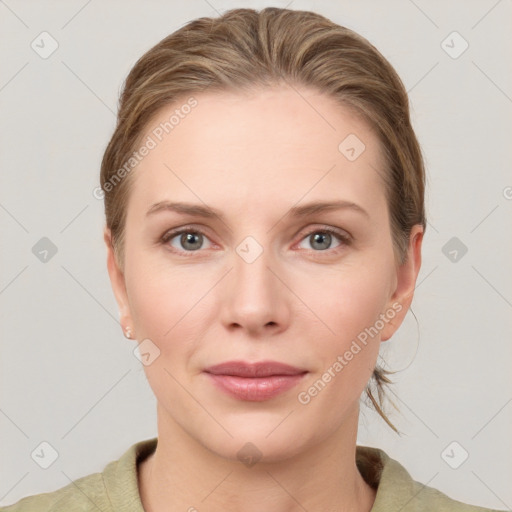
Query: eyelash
point(344, 239)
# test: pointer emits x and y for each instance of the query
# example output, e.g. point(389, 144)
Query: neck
point(183, 474)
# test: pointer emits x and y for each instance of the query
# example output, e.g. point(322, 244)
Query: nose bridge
point(256, 298)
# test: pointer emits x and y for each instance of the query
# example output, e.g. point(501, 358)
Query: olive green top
point(116, 488)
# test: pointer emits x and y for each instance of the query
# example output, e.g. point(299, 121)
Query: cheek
point(162, 302)
point(348, 299)
point(166, 309)
point(172, 307)
point(347, 342)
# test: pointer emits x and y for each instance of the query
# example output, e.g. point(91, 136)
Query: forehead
point(270, 146)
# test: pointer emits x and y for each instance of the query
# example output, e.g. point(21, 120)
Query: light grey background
point(69, 377)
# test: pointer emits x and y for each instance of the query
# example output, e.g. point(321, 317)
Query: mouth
point(259, 369)
point(254, 382)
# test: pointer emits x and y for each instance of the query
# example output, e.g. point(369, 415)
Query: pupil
point(322, 237)
point(188, 238)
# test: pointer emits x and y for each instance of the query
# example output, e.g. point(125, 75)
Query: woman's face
point(262, 280)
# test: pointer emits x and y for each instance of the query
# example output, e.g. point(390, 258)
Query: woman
point(264, 199)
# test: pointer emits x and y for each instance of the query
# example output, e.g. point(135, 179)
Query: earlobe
point(406, 276)
point(118, 284)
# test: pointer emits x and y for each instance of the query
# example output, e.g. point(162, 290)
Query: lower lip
point(255, 389)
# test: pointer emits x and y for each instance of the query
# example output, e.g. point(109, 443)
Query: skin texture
point(253, 157)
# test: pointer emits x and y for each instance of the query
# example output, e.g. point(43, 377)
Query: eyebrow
point(208, 212)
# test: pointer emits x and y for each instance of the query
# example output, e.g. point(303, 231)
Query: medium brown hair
point(244, 49)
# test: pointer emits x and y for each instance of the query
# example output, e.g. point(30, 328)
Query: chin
point(258, 441)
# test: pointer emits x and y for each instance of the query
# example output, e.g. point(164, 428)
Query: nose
point(254, 296)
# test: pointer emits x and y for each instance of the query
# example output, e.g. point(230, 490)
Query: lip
point(258, 369)
point(254, 382)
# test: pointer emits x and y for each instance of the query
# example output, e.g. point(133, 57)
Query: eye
point(322, 239)
point(185, 240)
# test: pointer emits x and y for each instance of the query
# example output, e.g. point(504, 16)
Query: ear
point(406, 275)
point(117, 282)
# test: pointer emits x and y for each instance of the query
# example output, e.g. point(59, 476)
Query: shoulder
point(396, 489)
point(115, 488)
point(84, 494)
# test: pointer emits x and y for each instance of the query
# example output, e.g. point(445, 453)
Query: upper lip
point(258, 369)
